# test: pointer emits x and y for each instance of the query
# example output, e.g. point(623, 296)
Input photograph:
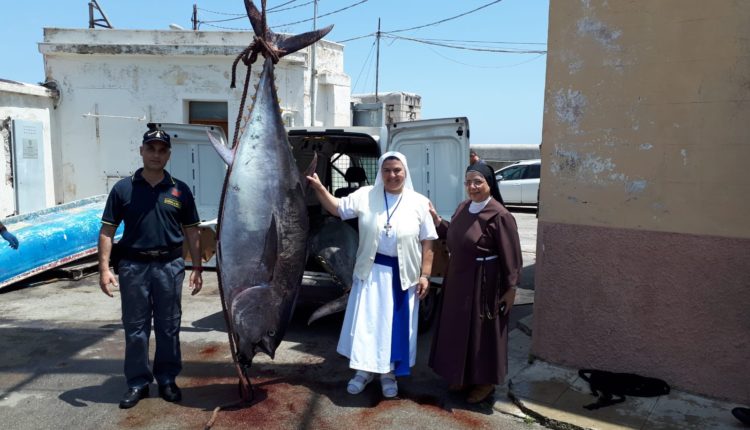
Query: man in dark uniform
point(155, 208)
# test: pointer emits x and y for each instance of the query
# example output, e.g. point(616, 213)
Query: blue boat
point(51, 237)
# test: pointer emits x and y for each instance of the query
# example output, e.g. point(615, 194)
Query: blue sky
point(502, 94)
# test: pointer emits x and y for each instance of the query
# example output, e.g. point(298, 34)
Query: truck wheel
point(428, 309)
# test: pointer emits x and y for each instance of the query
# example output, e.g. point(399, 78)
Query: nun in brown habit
point(470, 345)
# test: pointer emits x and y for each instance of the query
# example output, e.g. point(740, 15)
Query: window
point(210, 113)
point(532, 171)
point(513, 172)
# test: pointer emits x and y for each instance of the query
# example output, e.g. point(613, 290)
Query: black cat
point(613, 387)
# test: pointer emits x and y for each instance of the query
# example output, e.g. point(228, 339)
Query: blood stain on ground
point(210, 350)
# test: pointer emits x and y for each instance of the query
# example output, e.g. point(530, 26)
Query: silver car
point(519, 182)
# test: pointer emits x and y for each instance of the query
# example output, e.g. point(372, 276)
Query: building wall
point(25, 102)
point(112, 82)
point(399, 106)
point(643, 235)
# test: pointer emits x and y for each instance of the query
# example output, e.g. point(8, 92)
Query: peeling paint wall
point(131, 77)
point(29, 103)
point(644, 116)
point(643, 228)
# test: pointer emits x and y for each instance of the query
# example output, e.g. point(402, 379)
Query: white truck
point(437, 151)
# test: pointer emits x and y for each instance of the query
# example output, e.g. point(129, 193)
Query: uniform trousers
point(149, 290)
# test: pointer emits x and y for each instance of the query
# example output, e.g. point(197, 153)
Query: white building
point(113, 82)
point(26, 181)
point(399, 106)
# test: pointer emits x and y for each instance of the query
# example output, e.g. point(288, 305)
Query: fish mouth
point(256, 318)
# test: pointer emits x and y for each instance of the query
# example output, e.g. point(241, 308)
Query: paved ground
point(61, 351)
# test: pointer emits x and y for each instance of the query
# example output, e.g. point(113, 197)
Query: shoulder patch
point(172, 202)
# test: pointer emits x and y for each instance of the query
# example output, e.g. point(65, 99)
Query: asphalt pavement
point(61, 359)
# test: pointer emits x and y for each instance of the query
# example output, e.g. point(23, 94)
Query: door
point(29, 170)
point(530, 184)
point(437, 152)
point(510, 180)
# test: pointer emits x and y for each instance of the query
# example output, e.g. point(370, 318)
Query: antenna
point(100, 22)
point(194, 19)
point(377, 63)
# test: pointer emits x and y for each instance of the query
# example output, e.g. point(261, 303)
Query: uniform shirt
point(153, 216)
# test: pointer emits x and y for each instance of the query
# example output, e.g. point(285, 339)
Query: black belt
point(148, 255)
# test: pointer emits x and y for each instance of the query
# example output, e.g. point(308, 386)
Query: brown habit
point(468, 348)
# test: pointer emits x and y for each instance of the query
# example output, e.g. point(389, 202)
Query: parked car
point(519, 182)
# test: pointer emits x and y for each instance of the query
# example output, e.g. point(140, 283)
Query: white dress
point(366, 333)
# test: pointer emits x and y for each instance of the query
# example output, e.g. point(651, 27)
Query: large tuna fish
point(263, 222)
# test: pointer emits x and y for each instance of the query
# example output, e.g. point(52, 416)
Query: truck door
point(437, 152)
point(195, 162)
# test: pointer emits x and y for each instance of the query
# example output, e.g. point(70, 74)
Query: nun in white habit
point(391, 273)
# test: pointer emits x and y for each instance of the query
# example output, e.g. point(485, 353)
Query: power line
point(485, 41)
point(355, 38)
point(364, 66)
point(276, 9)
point(222, 13)
point(279, 5)
point(425, 25)
point(434, 51)
point(468, 48)
point(210, 23)
point(323, 15)
point(446, 19)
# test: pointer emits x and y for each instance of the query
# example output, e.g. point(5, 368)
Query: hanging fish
point(263, 222)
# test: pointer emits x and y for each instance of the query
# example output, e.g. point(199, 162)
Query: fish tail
point(285, 44)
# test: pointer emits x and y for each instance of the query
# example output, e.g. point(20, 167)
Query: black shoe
point(170, 392)
point(133, 396)
point(742, 414)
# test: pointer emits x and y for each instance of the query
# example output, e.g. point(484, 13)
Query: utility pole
point(313, 71)
point(195, 17)
point(377, 62)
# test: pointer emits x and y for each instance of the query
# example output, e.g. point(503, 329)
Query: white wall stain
point(683, 152)
point(569, 107)
point(575, 67)
point(606, 37)
point(646, 146)
point(585, 168)
point(636, 186)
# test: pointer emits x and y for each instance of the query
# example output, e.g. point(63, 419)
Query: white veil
point(379, 179)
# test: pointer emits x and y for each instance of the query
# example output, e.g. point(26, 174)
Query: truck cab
point(437, 152)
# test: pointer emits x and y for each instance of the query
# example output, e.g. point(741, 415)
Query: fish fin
point(290, 44)
point(221, 148)
point(285, 44)
point(329, 308)
point(309, 171)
